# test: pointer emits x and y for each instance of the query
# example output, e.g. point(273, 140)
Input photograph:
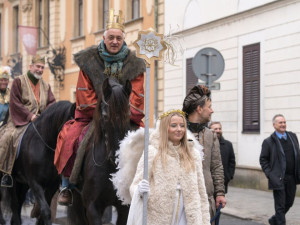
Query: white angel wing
point(128, 156)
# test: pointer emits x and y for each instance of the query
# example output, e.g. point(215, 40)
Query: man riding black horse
point(111, 58)
point(29, 97)
point(34, 168)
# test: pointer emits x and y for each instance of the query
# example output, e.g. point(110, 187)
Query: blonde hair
point(184, 152)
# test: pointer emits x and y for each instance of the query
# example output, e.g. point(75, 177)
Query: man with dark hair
point(280, 161)
point(227, 153)
point(30, 95)
point(197, 106)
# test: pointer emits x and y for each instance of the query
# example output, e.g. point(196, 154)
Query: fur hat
point(5, 72)
point(197, 94)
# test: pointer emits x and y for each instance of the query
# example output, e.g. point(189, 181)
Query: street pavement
point(26, 220)
point(256, 205)
point(244, 207)
point(230, 220)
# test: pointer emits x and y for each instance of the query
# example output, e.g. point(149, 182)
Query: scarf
point(113, 63)
point(196, 127)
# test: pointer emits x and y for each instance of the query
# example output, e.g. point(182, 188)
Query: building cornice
point(236, 17)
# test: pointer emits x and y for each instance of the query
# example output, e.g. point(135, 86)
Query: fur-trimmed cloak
point(163, 187)
point(91, 63)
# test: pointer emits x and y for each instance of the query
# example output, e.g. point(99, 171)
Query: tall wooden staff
point(150, 46)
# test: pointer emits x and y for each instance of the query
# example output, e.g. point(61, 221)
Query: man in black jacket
point(280, 161)
point(227, 153)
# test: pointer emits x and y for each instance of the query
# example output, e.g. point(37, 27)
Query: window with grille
point(102, 10)
point(15, 29)
point(78, 28)
point(43, 18)
point(251, 88)
point(80, 17)
point(105, 12)
point(135, 9)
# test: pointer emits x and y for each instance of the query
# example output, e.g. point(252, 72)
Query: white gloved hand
point(143, 187)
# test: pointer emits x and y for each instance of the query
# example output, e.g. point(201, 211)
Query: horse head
point(111, 121)
point(112, 114)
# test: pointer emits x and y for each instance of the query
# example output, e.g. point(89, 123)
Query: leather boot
point(7, 181)
point(65, 197)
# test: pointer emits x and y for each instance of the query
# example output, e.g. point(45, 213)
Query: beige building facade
point(260, 42)
point(69, 26)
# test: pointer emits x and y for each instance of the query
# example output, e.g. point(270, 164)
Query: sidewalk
point(257, 205)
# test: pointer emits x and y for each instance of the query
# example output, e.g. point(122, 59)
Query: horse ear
point(127, 87)
point(106, 89)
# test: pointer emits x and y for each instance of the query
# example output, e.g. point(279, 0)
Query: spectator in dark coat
point(227, 154)
point(280, 161)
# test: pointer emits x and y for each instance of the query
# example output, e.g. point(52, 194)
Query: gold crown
point(165, 114)
point(38, 59)
point(115, 21)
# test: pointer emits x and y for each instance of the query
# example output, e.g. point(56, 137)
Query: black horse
point(34, 167)
point(111, 121)
point(2, 221)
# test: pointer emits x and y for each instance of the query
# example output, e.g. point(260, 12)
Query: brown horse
point(111, 122)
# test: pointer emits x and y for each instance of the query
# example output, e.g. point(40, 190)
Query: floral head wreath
point(165, 114)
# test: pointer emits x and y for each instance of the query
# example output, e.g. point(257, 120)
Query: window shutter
point(191, 79)
point(251, 88)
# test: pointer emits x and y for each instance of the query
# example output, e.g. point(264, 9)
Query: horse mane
point(54, 116)
point(58, 110)
point(118, 116)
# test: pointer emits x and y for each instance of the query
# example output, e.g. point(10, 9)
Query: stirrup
point(71, 194)
point(5, 184)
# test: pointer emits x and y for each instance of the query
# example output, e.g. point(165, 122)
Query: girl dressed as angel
point(176, 188)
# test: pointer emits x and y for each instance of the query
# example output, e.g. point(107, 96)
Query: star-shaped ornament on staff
point(150, 46)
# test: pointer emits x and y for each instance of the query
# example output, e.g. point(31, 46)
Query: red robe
point(86, 100)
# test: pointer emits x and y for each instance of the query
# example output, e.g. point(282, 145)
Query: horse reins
point(40, 136)
point(34, 127)
point(94, 160)
point(104, 104)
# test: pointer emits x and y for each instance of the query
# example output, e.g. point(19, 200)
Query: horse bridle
point(104, 112)
point(40, 136)
point(102, 163)
point(34, 127)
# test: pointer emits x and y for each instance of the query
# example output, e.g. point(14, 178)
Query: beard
point(219, 135)
point(37, 76)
